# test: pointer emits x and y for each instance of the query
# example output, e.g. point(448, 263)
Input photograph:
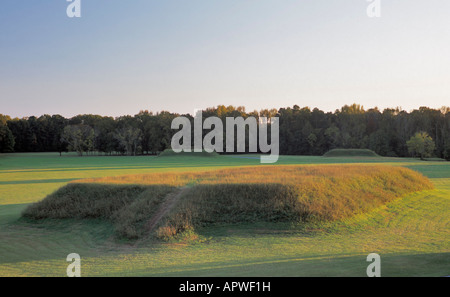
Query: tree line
point(302, 131)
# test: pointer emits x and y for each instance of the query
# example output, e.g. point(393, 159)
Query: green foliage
point(128, 138)
point(38, 134)
point(6, 139)
point(80, 138)
point(421, 144)
point(302, 131)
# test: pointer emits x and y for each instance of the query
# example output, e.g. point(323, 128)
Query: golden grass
point(319, 175)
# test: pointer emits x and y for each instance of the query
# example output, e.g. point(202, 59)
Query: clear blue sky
point(121, 57)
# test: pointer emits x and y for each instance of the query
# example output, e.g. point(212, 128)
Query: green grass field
point(411, 234)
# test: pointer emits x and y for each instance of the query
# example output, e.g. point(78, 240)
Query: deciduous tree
point(421, 144)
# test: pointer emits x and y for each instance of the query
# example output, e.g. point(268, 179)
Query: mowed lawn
point(411, 234)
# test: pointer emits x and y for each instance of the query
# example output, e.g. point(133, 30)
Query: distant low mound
point(351, 153)
point(282, 193)
point(171, 153)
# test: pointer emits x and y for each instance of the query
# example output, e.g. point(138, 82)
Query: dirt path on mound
point(165, 207)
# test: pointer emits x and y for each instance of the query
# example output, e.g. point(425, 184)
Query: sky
point(121, 57)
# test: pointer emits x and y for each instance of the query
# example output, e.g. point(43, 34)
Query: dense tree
point(421, 144)
point(104, 140)
point(80, 138)
point(128, 138)
point(302, 131)
point(6, 136)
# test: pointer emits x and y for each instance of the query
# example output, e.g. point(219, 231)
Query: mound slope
point(128, 207)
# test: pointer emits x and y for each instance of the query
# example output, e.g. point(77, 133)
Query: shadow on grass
point(439, 170)
point(26, 240)
point(334, 265)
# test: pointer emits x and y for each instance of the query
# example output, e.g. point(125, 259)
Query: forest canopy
point(302, 131)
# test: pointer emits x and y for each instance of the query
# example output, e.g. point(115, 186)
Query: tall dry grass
point(318, 176)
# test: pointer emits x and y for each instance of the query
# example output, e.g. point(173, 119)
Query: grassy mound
point(291, 194)
point(171, 153)
point(350, 153)
point(245, 194)
point(128, 207)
